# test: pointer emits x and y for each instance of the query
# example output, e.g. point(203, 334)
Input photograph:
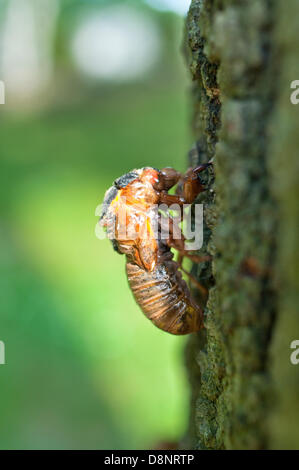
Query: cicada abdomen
point(164, 298)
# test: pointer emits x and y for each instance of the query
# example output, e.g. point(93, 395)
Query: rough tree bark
point(243, 55)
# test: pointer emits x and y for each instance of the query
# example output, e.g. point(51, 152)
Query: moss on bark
point(242, 60)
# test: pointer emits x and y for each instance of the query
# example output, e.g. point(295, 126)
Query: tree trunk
point(243, 58)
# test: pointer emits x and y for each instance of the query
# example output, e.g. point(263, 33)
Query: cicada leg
point(203, 290)
point(178, 244)
point(189, 186)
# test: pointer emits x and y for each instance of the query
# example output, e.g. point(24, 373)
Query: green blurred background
point(84, 368)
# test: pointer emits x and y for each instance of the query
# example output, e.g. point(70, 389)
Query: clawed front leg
point(188, 188)
point(191, 185)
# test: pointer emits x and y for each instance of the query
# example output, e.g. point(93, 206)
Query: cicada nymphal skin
point(130, 206)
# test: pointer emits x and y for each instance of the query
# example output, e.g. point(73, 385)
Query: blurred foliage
point(84, 369)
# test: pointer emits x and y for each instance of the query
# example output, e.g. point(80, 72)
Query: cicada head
point(126, 179)
point(149, 175)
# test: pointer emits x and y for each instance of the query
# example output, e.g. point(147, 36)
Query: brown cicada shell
point(130, 218)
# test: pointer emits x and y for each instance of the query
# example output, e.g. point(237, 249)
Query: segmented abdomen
point(165, 298)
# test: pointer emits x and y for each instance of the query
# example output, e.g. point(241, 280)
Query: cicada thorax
point(130, 222)
point(164, 297)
